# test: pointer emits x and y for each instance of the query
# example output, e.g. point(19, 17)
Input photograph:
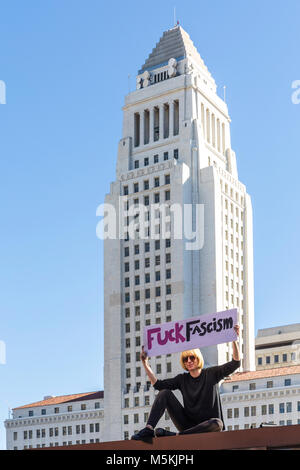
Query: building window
point(229, 413)
point(166, 156)
point(56, 410)
point(156, 198)
point(146, 161)
point(136, 187)
point(167, 195)
point(252, 386)
point(168, 305)
point(289, 407)
point(136, 164)
point(155, 158)
point(167, 179)
point(287, 382)
point(175, 154)
point(125, 191)
point(281, 408)
point(156, 182)
point(137, 295)
point(168, 289)
point(270, 384)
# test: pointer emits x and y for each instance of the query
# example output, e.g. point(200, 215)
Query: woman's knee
point(217, 424)
point(164, 394)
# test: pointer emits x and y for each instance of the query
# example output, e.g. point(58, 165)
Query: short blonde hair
point(192, 352)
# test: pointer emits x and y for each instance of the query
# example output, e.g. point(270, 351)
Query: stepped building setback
point(175, 153)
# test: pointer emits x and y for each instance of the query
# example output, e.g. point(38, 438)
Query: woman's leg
point(166, 400)
point(211, 425)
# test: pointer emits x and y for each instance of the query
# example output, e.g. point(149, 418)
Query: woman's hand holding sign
point(149, 371)
point(235, 348)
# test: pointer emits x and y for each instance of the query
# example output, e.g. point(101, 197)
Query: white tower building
point(175, 150)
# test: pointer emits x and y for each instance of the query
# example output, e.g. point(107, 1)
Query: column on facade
point(171, 118)
point(142, 128)
point(161, 120)
point(151, 125)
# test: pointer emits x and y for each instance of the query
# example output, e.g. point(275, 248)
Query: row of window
point(158, 368)
point(269, 384)
point(56, 444)
point(138, 163)
point(137, 248)
point(147, 261)
point(136, 264)
point(265, 410)
point(288, 422)
point(238, 198)
point(56, 409)
point(147, 307)
point(65, 430)
point(146, 185)
point(276, 358)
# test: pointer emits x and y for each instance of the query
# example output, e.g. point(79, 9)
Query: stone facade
point(266, 396)
point(56, 421)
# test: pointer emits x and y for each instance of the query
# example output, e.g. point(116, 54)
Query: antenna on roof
point(176, 22)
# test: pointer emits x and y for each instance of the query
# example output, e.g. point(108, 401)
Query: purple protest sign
point(192, 333)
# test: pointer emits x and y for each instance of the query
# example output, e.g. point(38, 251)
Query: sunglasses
point(192, 358)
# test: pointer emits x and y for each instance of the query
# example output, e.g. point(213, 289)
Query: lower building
point(265, 396)
point(56, 421)
point(277, 346)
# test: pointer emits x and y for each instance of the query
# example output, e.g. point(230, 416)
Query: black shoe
point(160, 432)
point(145, 434)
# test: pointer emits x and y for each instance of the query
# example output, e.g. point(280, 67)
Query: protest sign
point(192, 333)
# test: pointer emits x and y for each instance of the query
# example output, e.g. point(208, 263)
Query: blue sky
point(66, 64)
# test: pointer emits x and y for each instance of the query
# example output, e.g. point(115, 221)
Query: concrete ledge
point(279, 437)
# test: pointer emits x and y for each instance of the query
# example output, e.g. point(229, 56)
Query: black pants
point(166, 400)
